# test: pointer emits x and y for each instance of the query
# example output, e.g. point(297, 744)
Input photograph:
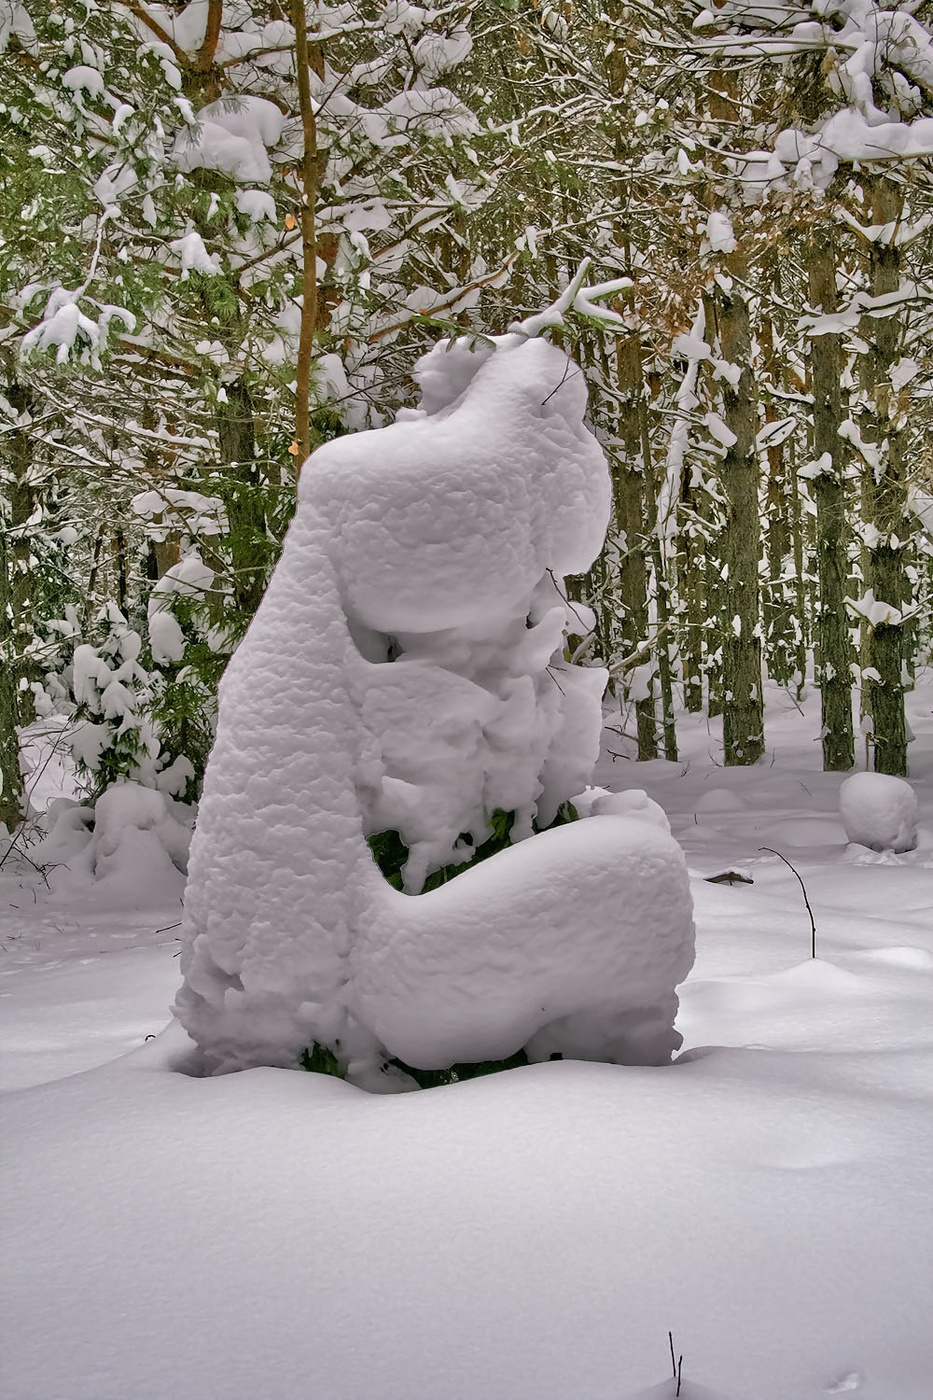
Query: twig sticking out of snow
point(805, 899)
point(676, 1366)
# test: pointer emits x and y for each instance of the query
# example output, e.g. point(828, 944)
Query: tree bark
point(886, 496)
point(236, 434)
point(743, 707)
point(832, 624)
point(11, 778)
point(628, 488)
point(778, 603)
point(16, 583)
point(309, 298)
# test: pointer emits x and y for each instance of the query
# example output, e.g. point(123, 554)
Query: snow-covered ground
point(273, 1235)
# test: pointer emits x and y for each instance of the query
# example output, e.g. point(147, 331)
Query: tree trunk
point(16, 584)
point(801, 596)
point(832, 624)
point(691, 586)
point(743, 708)
point(11, 779)
point(309, 297)
point(886, 492)
point(248, 547)
point(778, 602)
point(628, 487)
point(662, 604)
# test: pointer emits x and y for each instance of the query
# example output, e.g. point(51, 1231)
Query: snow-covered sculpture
point(405, 671)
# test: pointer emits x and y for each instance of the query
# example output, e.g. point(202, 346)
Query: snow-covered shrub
point(112, 738)
point(189, 652)
point(406, 672)
point(137, 705)
point(131, 846)
point(879, 811)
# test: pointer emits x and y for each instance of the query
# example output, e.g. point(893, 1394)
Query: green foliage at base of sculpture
point(317, 1059)
point(390, 852)
point(437, 1078)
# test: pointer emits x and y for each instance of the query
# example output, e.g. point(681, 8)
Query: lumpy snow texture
point(127, 852)
point(571, 943)
point(405, 672)
point(633, 802)
point(879, 811)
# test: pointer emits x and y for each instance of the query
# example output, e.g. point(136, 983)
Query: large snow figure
point(405, 671)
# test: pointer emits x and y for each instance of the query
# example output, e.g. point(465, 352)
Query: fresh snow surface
point(439, 544)
point(275, 1235)
point(879, 812)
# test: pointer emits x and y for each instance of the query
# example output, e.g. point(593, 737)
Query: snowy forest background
point(228, 230)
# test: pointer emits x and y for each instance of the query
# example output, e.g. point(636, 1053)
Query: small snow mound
point(131, 847)
point(914, 959)
point(720, 800)
point(816, 974)
point(634, 802)
point(879, 811)
point(855, 854)
point(667, 1390)
point(68, 827)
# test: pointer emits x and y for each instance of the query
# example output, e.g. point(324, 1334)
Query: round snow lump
point(879, 811)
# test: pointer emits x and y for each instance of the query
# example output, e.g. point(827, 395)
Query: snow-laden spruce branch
point(583, 300)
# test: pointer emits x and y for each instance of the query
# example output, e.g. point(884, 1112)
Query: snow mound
point(632, 802)
point(131, 848)
point(668, 1390)
point(879, 811)
point(406, 673)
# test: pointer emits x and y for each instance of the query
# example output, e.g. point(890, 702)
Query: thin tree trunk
point(90, 596)
point(11, 778)
point(236, 435)
point(628, 485)
point(662, 605)
point(16, 583)
point(832, 625)
point(743, 708)
point(802, 638)
point(119, 562)
point(886, 497)
point(308, 240)
point(692, 590)
point(777, 608)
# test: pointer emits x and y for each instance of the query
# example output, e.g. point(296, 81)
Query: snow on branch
point(575, 297)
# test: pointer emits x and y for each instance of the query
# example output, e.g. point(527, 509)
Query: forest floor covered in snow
point(533, 1235)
